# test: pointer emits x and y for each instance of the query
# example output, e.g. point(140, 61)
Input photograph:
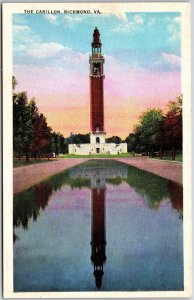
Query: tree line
point(32, 137)
point(158, 131)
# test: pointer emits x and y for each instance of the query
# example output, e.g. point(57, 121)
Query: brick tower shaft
point(96, 85)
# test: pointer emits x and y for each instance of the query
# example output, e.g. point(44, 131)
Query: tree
point(30, 130)
point(77, 139)
point(114, 139)
point(172, 124)
point(148, 128)
point(14, 82)
point(41, 135)
point(22, 124)
point(132, 142)
point(161, 138)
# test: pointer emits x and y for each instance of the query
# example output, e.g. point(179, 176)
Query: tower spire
point(96, 43)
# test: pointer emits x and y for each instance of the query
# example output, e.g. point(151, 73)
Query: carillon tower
point(97, 131)
point(96, 62)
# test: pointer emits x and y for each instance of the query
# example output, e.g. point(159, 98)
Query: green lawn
point(95, 156)
point(179, 157)
point(21, 163)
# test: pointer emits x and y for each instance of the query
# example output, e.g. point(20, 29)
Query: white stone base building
point(97, 146)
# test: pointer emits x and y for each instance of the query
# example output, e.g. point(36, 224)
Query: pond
point(100, 226)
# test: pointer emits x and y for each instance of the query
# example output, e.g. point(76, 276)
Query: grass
point(178, 157)
point(21, 163)
point(96, 155)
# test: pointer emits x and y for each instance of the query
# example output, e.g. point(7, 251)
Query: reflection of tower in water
point(98, 176)
point(98, 233)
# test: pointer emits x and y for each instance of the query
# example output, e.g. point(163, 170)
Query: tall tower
point(97, 132)
point(96, 62)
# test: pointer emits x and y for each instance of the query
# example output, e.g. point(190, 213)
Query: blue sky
point(133, 37)
point(142, 62)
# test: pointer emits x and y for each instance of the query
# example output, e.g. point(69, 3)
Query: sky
point(142, 68)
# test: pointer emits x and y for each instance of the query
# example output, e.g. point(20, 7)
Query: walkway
point(167, 169)
point(24, 177)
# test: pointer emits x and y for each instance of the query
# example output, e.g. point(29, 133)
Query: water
point(99, 226)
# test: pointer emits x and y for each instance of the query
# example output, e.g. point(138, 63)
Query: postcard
point(97, 150)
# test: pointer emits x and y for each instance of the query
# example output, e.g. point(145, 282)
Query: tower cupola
point(96, 43)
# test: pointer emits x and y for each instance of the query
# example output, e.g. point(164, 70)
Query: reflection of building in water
point(98, 176)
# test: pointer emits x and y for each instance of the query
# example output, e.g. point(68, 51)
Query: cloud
point(69, 21)
point(168, 61)
point(29, 48)
point(171, 59)
point(73, 57)
point(151, 21)
point(130, 25)
point(20, 19)
point(20, 28)
point(51, 18)
point(119, 15)
point(45, 50)
point(138, 19)
point(23, 38)
point(174, 30)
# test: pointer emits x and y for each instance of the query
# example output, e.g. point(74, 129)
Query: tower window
point(97, 140)
point(96, 69)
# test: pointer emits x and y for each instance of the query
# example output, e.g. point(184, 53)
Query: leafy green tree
point(22, 124)
point(161, 138)
point(56, 145)
point(78, 138)
point(132, 142)
point(172, 124)
point(41, 135)
point(14, 82)
point(30, 130)
point(148, 128)
point(114, 139)
point(62, 143)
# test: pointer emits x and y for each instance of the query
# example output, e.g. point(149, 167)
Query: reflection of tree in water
point(176, 195)
point(27, 205)
point(63, 179)
point(42, 193)
point(115, 181)
point(153, 188)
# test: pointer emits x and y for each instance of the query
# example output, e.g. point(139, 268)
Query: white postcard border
point(8, 10)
